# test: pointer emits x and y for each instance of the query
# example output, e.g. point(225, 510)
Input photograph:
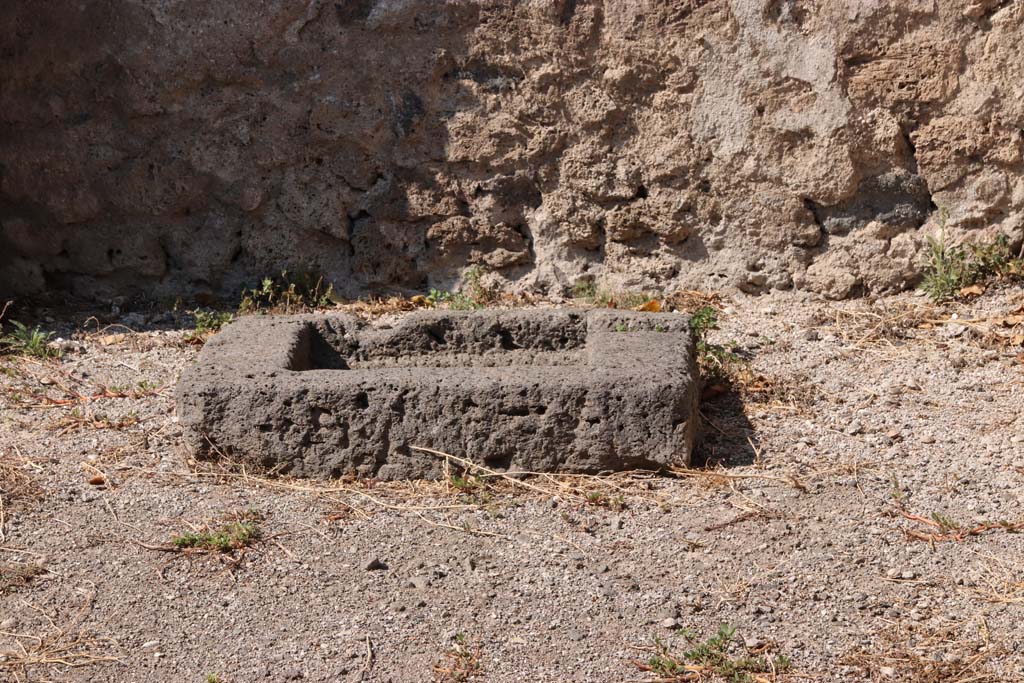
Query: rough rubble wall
point(164, 147)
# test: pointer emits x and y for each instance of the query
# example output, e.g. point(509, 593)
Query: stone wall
point(168, 147)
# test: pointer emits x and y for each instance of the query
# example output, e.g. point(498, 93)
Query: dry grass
point(941, 528)
point(888, 325)
point(44, 385)
point(17, 485)
point(54, 651)
point(465, 486)
point(26, 657)
point(896, 324)
point(1000, 582)
point(951, 653)
point(460, 662)
point(18, 575)
point(90, 420)
point(796, 394)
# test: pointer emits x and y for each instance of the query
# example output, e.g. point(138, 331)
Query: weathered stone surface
point(166, 147)
point(536, 390)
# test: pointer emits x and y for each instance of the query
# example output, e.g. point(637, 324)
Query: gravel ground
point(848, 521)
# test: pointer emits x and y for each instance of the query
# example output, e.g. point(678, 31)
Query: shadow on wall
point(169, 148)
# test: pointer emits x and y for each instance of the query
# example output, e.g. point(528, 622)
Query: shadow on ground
point(728, 438)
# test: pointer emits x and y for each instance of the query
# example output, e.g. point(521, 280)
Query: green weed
point(951, 269)
point(288, 293)
point(208, 322)
point(718, 363)
point(587, 291)
point(27, 341)
point(713, 657)
point(473, 295)
point(601, 499)
point(235, 534)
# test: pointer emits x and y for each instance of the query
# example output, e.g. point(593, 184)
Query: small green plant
point(946, 524)
point(602, 499)
point(28, 341)
point(212, 678)
point(718, 363)
point(480, 293)
point(144, 386)
point(208, 322)
point(715, 656)
point(471, 296)
point(586, 290)
point(465, 483)
point(951, 269)
point(288, 293)
point(702, 320)
point(235, 534)
point(456, 301)
point(896, 490)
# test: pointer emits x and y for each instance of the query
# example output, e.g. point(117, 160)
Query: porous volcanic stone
point(537, 390)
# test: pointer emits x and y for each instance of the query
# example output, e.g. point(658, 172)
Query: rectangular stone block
point(544, 390)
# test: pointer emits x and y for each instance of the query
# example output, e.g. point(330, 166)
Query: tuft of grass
point(720, 655)
point(473, 295)
point(236, 534)
point(587, 291)
point(208, 322)
point(462, 662)
point(951, 269)
point(933, 654)
point(465, 483)
point(288, 293)
point(615, 503)
point(27, 341)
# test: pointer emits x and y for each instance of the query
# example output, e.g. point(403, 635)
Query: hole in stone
point(515, 411)
point(499, 462)
point(456, 341)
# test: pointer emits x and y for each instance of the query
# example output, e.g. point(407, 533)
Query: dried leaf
point(652, 306)
point(972, 290)
point(1017, 340)
point(419, 300)
point(109, 339)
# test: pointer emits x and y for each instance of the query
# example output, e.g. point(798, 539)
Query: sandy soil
point(849, 520)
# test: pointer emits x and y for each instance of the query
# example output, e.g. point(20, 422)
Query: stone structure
point(166, 147)
point(535, 390)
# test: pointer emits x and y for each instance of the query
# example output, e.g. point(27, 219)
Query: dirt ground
point(853, 519)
